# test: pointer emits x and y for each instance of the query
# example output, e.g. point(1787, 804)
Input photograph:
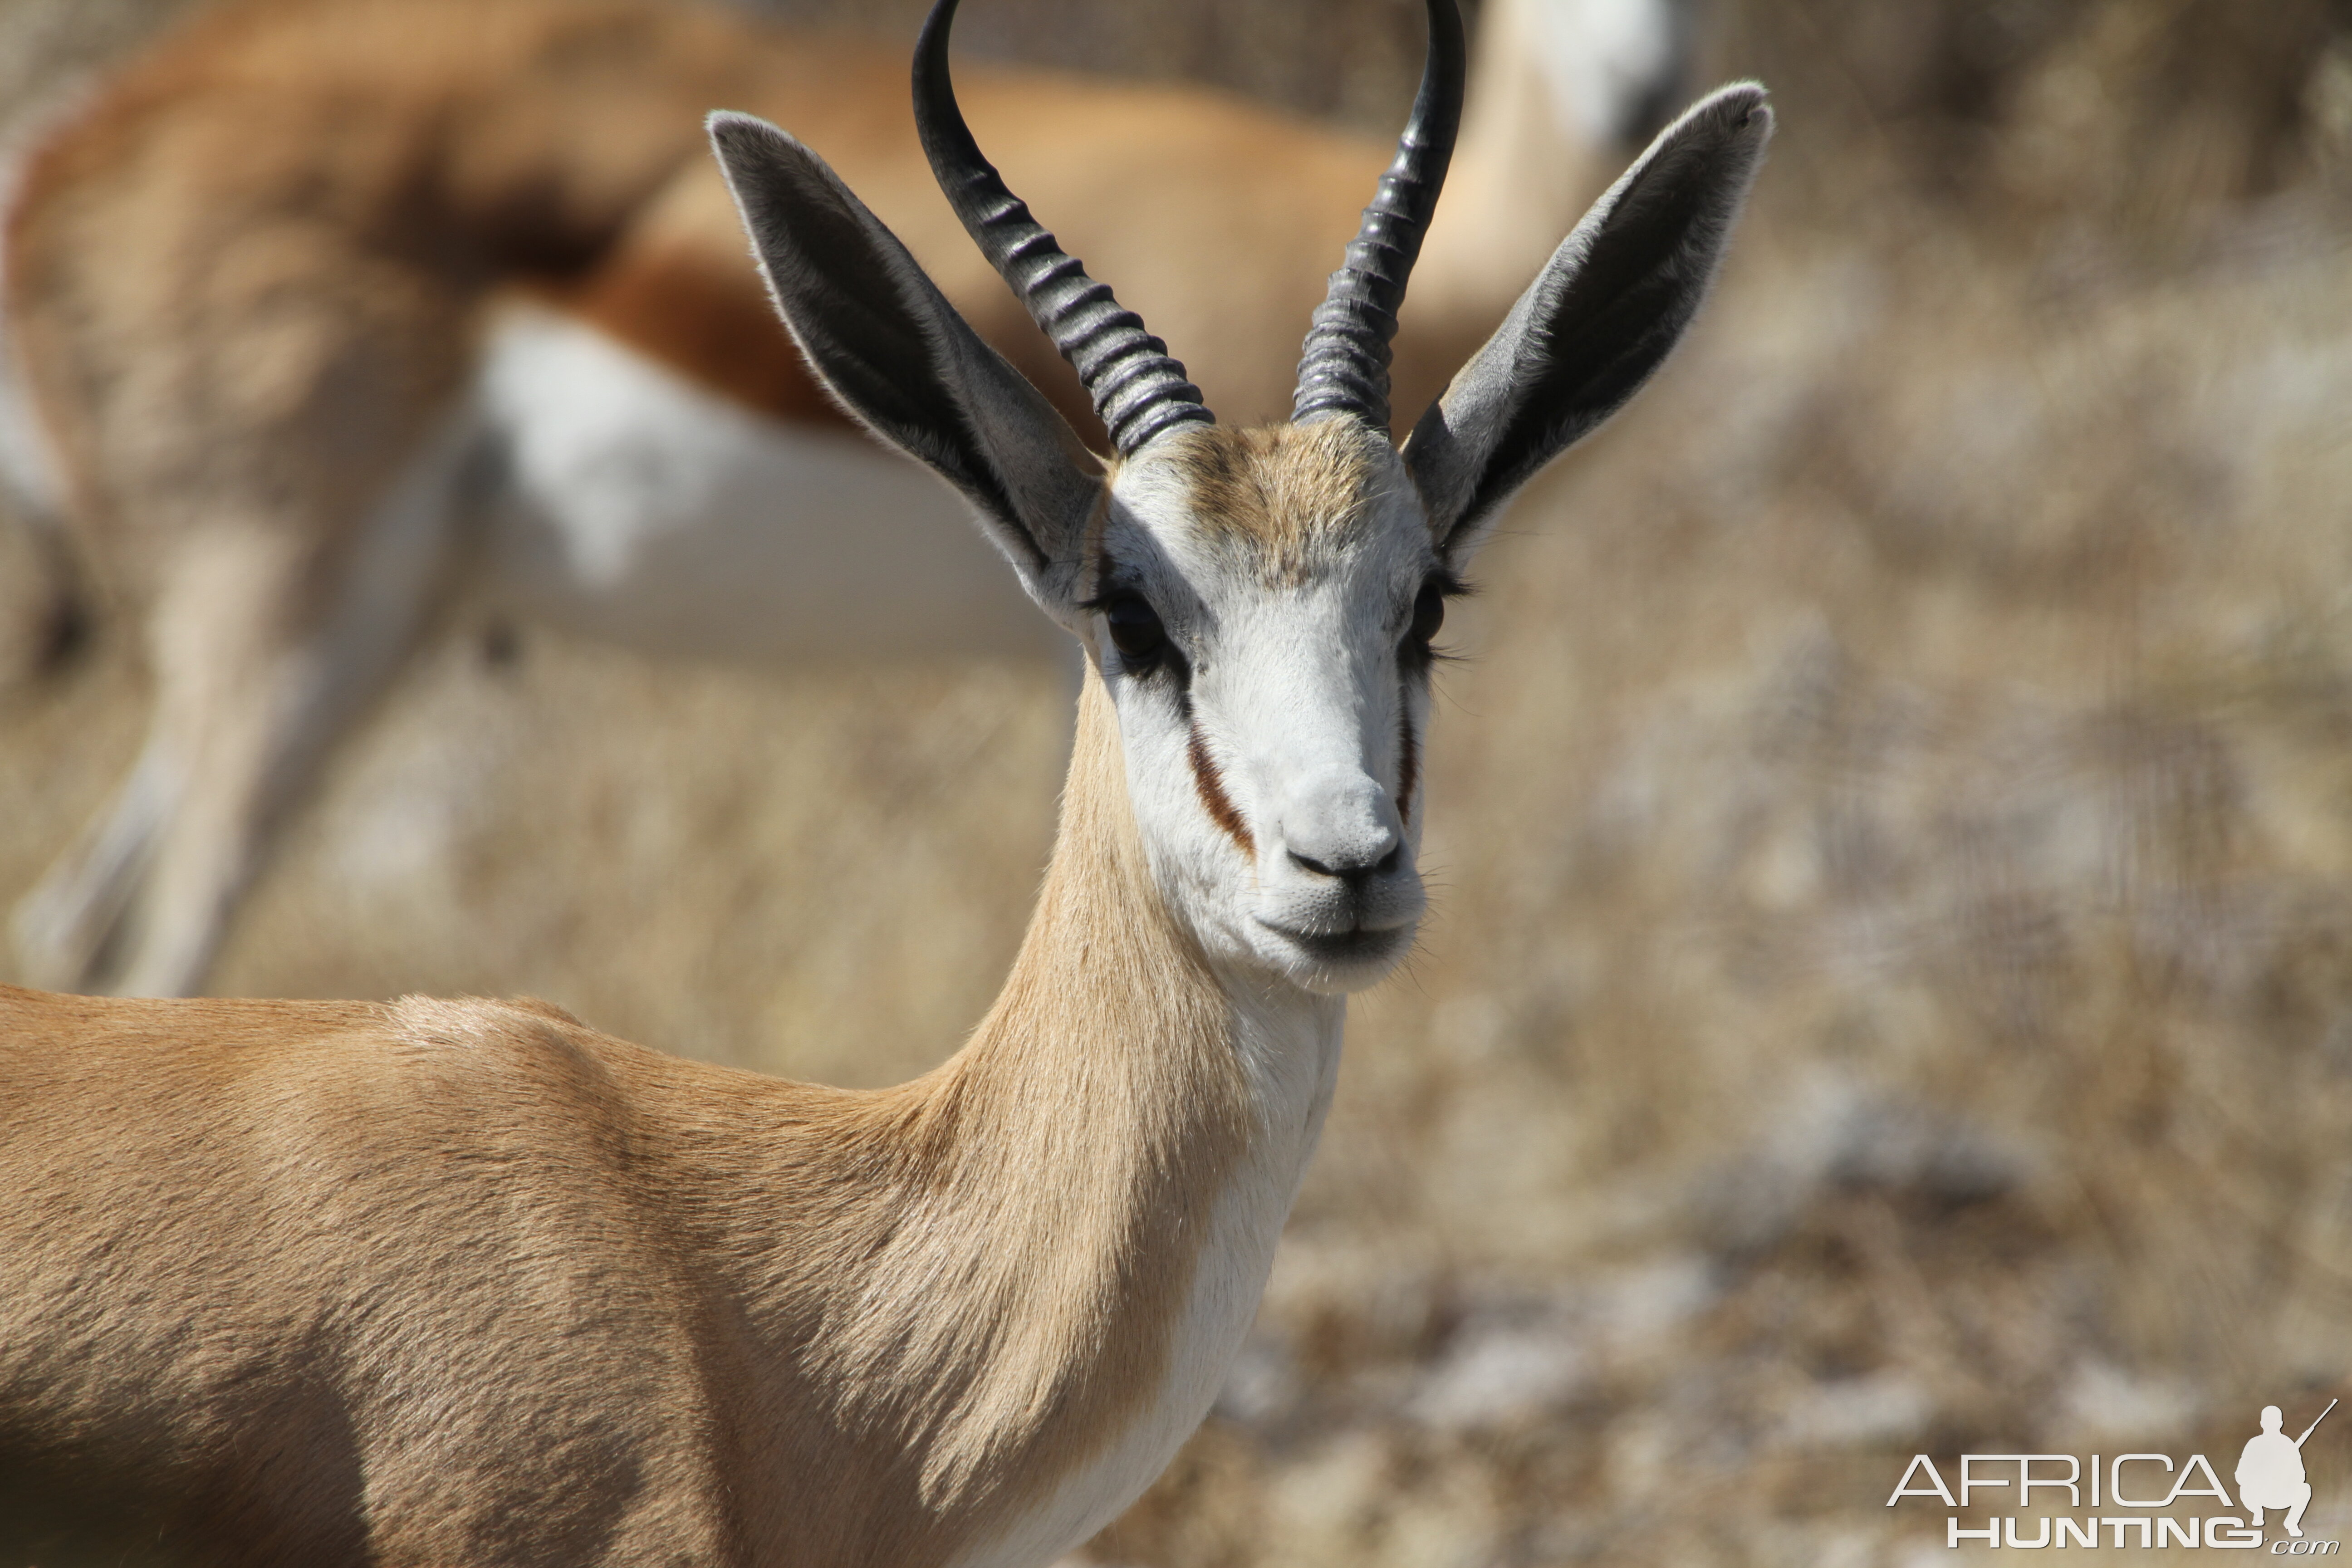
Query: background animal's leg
point(61, 928)
point(281, 655)
point(266, 644)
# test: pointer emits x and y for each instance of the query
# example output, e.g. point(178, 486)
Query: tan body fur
point(455, 1253)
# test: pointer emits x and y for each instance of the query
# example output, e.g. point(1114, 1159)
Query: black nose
point(1352, 872)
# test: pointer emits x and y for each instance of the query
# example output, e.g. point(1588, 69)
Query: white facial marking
point(1267, 746)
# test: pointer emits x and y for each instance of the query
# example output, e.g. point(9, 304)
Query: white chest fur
point(640, 508)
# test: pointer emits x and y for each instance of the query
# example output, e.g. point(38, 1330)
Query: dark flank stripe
point(1408, 759)
point(1212, 793)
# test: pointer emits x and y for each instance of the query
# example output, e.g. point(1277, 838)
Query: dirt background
point(1890, 984)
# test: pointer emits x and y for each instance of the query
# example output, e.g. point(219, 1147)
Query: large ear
point(894, 353)
point(1603, 314)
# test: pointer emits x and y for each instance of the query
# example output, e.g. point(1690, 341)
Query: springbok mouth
point(1361, 944)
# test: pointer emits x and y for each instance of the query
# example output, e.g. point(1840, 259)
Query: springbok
point(330, 311)
point(432, 1282)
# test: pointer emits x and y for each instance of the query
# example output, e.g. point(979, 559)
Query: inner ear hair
point(893, 352)
point(1597, 321)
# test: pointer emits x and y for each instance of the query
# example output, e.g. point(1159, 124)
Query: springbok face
point(1263, 606)
point(1259, 603)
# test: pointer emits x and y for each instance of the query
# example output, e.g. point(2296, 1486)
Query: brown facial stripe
point(1408, 759)
point(1212, 793)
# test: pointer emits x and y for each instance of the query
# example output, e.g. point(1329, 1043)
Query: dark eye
point(1428, 614)
point(1135, 629)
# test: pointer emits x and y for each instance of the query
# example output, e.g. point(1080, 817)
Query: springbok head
point(1259, 603)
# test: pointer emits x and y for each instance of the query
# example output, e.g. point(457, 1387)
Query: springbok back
point(436, 1282)
point(329, 315)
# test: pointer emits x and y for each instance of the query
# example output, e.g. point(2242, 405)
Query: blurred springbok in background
point(330, 311)
point(432, 1282)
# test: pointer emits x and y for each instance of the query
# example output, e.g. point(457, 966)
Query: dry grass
point(1891, 985)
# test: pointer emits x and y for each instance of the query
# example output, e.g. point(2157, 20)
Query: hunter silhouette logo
point(2270, 1478)
point(2270, 1472)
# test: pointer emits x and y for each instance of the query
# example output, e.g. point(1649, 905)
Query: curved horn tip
point(1344, 364)
point(1125, 369)
point(936, 24)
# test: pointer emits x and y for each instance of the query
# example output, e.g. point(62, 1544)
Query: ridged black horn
point(1344, 367)
point(1138, 390)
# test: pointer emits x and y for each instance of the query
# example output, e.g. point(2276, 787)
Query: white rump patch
point(1604, 59)
point(641, 508)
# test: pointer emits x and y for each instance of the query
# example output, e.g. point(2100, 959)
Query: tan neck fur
point(1107, 1068)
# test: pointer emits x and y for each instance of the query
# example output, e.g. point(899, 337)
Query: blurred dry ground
point(1890, 987)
